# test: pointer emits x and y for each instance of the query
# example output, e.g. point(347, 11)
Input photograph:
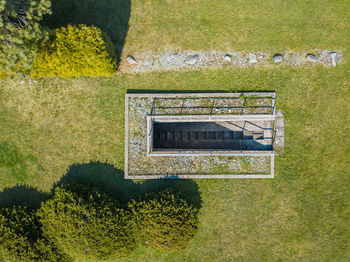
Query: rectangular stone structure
point(203, 135)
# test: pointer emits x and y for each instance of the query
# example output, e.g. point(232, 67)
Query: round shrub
point(21, 238)
point(74, 51)
point(17, 234)
point(86, 224)
point(164, 221)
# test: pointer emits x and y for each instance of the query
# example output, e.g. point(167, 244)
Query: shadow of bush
point(108, 179)
point(111, 180)
point(111, 16)
point(22, 195)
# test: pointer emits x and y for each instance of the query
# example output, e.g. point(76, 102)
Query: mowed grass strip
point(301, 214)
point(268, 25)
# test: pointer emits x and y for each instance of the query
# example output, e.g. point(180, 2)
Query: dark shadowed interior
point(222, 135)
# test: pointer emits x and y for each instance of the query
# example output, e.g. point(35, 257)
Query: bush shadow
point(111, 180)
point(22, 195)
point(106, 178)
point(111, 16)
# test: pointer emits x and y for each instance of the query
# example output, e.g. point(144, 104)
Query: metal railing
point(213, 109)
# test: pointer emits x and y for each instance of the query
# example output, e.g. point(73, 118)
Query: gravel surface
point(172, 60)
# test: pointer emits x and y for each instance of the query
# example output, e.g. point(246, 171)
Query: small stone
point(228, 58)
point(277, 58)
point(191, 60)
point(324, 53)
point(131, 60)
point(311, 57)
point(252, 59)
point(334, 56)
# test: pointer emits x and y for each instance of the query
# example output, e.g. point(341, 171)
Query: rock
point(324, 53)
point(191, 60)
point(334, 56)
point(277, 58)
point(311, 57)
point(228, 58)
point(131, 60)
point(252, 59)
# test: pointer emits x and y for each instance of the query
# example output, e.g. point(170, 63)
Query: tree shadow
point(108, 179)
point(111, 180)
point(22, 195)
point(111, 16)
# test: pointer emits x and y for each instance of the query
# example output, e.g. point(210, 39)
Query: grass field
point(300, 215)
point(268, 25)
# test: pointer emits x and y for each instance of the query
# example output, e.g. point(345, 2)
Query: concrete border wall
point(223, 94)
point(200, 118)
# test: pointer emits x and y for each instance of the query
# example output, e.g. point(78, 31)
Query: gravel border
point(172, 60)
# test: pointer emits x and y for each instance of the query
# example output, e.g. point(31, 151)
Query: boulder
point(131, 60)
point(277, 58)
point(191, 60)
point(228, 58)
point(334, 57)
point(252, 59)
point(311, 57)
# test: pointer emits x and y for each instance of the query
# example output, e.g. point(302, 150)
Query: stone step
point(209, 135)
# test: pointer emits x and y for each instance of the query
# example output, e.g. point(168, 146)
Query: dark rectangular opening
point(203, 136)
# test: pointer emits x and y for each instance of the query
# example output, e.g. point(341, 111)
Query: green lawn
point(300, 215)
point(268, 25)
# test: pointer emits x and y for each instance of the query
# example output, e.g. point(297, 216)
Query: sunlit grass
point(300, 214)
point(269, 25)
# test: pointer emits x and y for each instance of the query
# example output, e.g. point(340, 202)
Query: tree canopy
point(86, 224)
point(21, 238)
point(164, 221)
point(20, 32)
point(81, 223)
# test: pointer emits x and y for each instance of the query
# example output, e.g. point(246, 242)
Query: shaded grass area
point(302, 214)
point(22, 195)
point(268, 25)
point(107, 179)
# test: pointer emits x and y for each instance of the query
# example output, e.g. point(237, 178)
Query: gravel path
point(172, 60)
